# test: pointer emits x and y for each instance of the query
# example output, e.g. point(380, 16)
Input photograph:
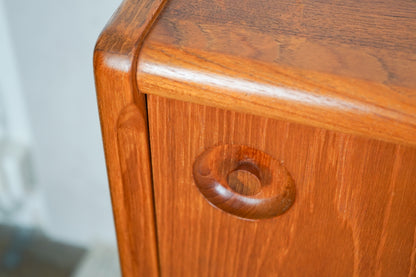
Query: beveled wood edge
point(309, 98)
point(123, 119)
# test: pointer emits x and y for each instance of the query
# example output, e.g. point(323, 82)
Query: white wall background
point(53, 43)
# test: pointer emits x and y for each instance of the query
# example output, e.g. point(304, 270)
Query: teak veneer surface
point(354, 213)
point(342, 65)
point(123, 118)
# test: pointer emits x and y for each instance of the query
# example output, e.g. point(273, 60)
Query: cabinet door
point(354, 213)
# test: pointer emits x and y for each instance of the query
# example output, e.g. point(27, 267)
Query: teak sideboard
point(261, 137)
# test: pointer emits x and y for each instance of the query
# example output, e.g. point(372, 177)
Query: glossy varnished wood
point(345, 66)
point(348, 66)
point(244, 181)
point(124, 128)
point(354, 213)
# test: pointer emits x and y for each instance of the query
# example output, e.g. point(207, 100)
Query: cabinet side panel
point(125, 134)
point(353, 215)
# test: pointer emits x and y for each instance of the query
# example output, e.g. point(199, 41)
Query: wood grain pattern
point(354, 213)
point(124, 128)
point(342, 65)
point(244, 181)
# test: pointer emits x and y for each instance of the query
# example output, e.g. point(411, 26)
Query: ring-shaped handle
point(244, 181)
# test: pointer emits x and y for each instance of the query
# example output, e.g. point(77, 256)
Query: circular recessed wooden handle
point(244, 181)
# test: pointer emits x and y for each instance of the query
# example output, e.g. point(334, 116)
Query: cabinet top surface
point(344, 65)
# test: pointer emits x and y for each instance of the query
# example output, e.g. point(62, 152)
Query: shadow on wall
point(55, 209)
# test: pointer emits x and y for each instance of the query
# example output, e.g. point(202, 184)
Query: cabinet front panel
point(354, 213)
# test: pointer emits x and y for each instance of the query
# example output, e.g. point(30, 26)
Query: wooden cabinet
point(261, 138)
point(354, 212)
